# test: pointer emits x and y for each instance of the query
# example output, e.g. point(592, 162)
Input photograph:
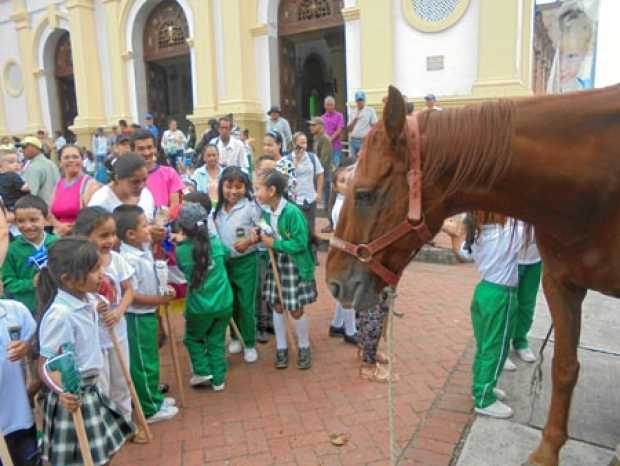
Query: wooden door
point(288, 83)
point(157, 89)
point(67, 100)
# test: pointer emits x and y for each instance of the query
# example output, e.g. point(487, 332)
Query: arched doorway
point(65, 83)
point(167, 64)
point(312, 59)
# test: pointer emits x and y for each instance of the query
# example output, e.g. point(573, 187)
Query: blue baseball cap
point(360, 95)
point(148, 116)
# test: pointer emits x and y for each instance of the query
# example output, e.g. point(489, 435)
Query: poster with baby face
point(569, 28)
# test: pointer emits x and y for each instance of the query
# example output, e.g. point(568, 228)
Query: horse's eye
point(364, 198)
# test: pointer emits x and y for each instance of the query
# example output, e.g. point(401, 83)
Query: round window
point(434, 15)
point(13, 78)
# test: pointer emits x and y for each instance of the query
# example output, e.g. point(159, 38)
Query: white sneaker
point(234, 347)
point(169, 401)
point(198, 380)
point(497, 410)
point(509, 365)
point(164, 413)
point(499, 394)
point(250, 355)
point(218, 388)
point(526, 355)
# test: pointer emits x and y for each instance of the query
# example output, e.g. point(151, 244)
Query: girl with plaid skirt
point(70, 318)
point(285, 230)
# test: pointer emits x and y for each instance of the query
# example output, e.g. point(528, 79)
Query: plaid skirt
point(107, 429)
point(295, 292)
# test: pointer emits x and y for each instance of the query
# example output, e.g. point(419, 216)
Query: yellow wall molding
point(90, 4)
point(21, 19)
point(190, 42)
point(350, 13)
point(260, 30)
point(424, 25)
point(38, 72)
point(117, 63)
point(504, 50)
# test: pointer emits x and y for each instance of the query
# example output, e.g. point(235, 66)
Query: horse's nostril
point(334, 288)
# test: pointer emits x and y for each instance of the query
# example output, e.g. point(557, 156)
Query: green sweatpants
point(205, 340)
point(492, 311)
point(242, 273)
point(144, 360)
point(529, 283)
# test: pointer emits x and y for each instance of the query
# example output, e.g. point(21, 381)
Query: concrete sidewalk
point(595, 416)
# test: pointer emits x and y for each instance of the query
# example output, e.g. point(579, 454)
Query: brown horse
point(552, 161)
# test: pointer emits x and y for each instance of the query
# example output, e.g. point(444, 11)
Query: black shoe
point(281, 359)
point(262, 336)
point(164, 387)
point(352, 339)
point(336, 331)
point(304, 359)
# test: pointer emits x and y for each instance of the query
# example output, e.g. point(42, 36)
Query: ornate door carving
point(166, 32)
point(296, 16)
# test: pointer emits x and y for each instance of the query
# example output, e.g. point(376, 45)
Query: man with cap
point(362, 120)
point(148, 124)
point(431, 103)
point(277, 123)
point(41, 174)
point(323, 150)
point(120, 147)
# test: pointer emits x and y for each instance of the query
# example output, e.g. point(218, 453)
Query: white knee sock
point(349, 321)
point(338, 316)
point(302, 328)
point(279, 326)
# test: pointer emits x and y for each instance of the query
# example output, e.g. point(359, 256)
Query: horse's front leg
point(565, 305)
point(616, 460)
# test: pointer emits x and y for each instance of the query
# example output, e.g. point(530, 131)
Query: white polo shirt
point(71, 320)
point(117, 271)
point(237, 223)
point(15, 412)
point(232, 154)
point(144, 279)
point(105, 197)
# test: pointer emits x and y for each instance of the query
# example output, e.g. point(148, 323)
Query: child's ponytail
point(193, 220)
point(47, 290)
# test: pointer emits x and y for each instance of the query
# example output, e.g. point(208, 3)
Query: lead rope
point(390, 298)
point(537, 376)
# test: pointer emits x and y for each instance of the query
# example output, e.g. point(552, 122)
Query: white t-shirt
point(15, 412)
point(367, 118)
point(116, 273)
point(305, 172)
point(232, 154)
point(144, 280)
point(105, 197)
point(529, 252)
point(495, 252)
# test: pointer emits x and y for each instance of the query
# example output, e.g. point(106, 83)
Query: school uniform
point(208, 309)
point(294, 258)
point(18, 270)
point(111, 379)
point(70, 320)
point(142, 330)
point(494, 305)
point(232, 226)
point(530, 271)
point(16, 420)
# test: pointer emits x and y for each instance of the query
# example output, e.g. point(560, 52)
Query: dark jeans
point(309, 211)
point(173, 158)
point(23, 447)
point(355, 145)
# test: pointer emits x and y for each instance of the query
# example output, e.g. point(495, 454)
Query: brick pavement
point(269, 417)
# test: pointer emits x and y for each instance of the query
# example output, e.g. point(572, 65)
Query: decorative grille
point(434, 10)
point(170, 35)
point(313, 9)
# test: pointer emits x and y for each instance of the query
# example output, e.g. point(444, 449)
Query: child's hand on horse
point(69, 401)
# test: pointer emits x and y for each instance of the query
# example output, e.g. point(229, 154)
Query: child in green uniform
point(28, 252)
point(236, 215)
point(209, 303)
point(286, 232)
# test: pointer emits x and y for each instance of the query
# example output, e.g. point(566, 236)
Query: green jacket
point(294, 239)
point(17, 273)
point(215, 294)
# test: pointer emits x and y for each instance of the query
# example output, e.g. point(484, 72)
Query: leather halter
point(414, 223)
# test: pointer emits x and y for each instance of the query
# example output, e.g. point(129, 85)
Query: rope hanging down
point(390, 298)
point(537, 376)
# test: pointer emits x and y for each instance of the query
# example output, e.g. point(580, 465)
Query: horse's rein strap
point(414, 223)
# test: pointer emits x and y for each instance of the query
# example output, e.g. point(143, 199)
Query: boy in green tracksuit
point(209, 303)
point(28, 252)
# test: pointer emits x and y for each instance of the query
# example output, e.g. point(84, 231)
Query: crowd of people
point(94, 241)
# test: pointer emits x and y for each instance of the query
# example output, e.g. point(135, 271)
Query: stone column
point(504, 49)
point(377, 48)
point(86, 69)
point(31, 90)
point(202, 46)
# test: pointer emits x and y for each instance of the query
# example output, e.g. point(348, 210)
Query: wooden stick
point(175, 356)
point(141, 419)
point(5, 456)
point(237, 333)
point(80, 430)
point(276, 275)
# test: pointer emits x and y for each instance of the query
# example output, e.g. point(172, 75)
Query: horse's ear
point(394, 114)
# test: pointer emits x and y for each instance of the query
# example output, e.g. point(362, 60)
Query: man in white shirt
point(232, 151)
point(280, 124)
point(362, 120)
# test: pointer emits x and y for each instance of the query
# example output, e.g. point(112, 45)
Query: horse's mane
point(472, 145)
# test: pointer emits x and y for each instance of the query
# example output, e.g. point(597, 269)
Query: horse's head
point(376, 202)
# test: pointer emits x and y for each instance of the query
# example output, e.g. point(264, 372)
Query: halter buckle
point(363, 253)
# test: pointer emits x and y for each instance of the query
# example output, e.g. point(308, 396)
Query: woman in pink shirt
point(73, 190)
